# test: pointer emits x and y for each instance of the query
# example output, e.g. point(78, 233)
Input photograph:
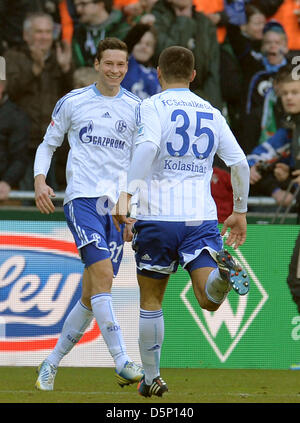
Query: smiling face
point(290, 96)
point(144, 49)
point(40, 33)
point(111, 69)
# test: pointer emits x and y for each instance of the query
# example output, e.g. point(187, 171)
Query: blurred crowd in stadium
point(243, 51)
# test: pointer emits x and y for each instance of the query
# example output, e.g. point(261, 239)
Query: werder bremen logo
point(224, 328)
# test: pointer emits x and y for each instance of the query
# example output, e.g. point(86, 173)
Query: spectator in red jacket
point(221, 191)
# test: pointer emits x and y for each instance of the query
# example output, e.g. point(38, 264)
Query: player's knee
point(206, 304)
point(101, 285)
point(150, 304)
point(211, 306)
point(151, 299)
point(100, 280)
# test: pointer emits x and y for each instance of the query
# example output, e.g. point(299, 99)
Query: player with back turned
point(178, 135)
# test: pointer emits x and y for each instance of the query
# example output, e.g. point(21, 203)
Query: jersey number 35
point(183, 131)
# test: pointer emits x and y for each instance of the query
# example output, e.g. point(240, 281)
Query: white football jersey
point(100, 133)
point(188, 132)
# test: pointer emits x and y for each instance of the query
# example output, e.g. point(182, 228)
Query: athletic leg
point(209, 289)
point(73, 329)
point(100, 282)
point(211, 284)
point(151, 334)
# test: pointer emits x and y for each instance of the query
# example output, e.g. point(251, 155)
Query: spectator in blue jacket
point(277, 161)
point(258, 72)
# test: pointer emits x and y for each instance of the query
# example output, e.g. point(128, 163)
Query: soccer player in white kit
point(179, 134)
point(100, 123)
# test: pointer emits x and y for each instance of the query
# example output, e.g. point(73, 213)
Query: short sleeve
point(228, 149)
point(148, 123)
point(60, 123)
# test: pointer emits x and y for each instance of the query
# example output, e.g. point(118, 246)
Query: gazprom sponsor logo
point(40, 282)
point(87, 136)
point(85, 133)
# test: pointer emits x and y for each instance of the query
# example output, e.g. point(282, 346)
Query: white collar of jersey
point(97, 92)
point(177, 89)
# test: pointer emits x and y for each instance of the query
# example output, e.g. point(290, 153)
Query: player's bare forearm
point(237, 223)
point(42, 195)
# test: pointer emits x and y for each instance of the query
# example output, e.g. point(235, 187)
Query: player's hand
point(120, 211)
point(237, 223)
point(118, 219)
point(255, 176)
point(42, 195)
point(127, 234)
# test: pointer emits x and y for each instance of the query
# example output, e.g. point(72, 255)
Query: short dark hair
point(108, 4)
point(251, 9)
point(274, 26)
point(176, 63)
point(110, 43)
point(136, 33)
point(286, 74)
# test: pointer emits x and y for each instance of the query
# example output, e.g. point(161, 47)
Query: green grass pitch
point(98, 385)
